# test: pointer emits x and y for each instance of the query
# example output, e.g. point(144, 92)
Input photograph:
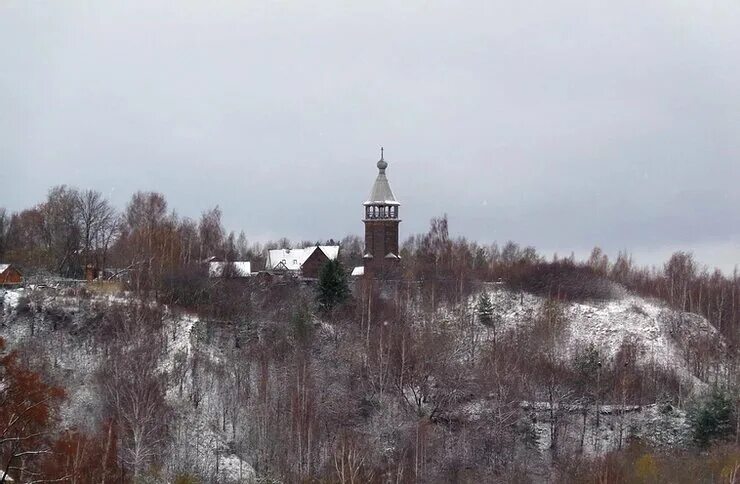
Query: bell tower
point(381, 257)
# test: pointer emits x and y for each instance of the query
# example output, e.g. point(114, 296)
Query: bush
point(24, 304)
point(186, 287)
point(562, 280)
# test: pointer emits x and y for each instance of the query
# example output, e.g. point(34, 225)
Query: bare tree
point(135, 395)
point(61, 229)
point(211, 233)
point(132, 387)
point(97, 221)
point(4, 229)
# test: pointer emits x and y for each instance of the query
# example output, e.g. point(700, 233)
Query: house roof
point(293, 259)
point(331, 251)
point(287, 259)
point(241, 268)
point(4, 267)
point(358, 271)
point(381, 191)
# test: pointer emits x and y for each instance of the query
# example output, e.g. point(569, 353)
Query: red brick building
point(381, 257)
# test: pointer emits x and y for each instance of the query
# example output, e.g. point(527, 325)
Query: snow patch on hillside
point(660, 333)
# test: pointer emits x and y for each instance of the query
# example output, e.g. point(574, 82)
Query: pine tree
point(333, 285)
point(484, 309)
point(712, 418)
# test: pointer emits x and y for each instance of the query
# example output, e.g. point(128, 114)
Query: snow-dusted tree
point(134, 394)
point(712, 417)
point(132, 386)
point(680, 270)
point(484, 309)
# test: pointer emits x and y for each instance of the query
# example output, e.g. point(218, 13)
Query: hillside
point(661, 335)
point(223, 386)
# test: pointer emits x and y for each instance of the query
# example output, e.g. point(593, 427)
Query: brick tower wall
point(381, 238)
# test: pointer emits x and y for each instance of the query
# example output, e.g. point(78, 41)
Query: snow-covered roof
point(287, 259)
point(293, 259)
point(331, 251)
point(240, 268)
point(358, 271)
point(4, 267)
point(381, 192)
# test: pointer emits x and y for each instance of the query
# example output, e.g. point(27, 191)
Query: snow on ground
point(606, 325)
point(178, 329)
point(10, 298)
point(74, 360)
point(234, 469)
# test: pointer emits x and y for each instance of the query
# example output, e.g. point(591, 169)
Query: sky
point(562, 125)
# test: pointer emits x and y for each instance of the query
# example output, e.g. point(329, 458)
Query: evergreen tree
point(302, 323)
point(333, 285)
point(712, 418)
point(484, 309)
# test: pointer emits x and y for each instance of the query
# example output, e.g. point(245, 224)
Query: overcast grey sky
point(557, 124)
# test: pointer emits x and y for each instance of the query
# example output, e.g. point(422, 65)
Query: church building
point(381, 258)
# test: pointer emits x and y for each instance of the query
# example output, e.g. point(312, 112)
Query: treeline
point(151, 243)
point(74, 228)
point(449, 268)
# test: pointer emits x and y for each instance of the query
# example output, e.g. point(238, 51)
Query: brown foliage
point(640, 464)
point(27, 410)
point(84, 459)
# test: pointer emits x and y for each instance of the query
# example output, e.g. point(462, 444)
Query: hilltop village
point(381, 255)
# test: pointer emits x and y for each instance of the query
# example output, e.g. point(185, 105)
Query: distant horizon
point(559, 126)
point(652, 258)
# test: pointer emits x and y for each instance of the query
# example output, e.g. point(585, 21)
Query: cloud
point(579, 124)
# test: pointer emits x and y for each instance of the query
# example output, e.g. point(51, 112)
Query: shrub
point(563, 280)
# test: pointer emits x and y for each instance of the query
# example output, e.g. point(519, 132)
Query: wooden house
point(316, 260)
point(305, 262)
point(10, 275)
